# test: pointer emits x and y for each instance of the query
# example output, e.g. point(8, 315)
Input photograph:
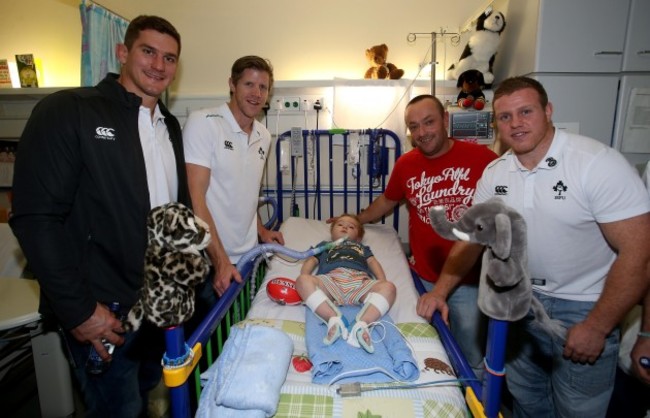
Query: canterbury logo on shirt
point(501, 190)
point(228, 145)
point(105, 133)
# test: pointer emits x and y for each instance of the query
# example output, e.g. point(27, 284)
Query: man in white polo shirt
point(225, 150)
point(588, 219)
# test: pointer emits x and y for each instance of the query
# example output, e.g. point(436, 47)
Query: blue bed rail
point(350, 182)
point(483, 399)
point(182, 357)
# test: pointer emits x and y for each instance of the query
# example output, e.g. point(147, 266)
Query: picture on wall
point(27, 70)
point(5, 76)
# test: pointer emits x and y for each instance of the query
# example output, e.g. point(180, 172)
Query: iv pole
point(412, 37)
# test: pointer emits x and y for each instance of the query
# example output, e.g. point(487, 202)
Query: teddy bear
point(379, 67)
point(482, 47)
point(471, 82)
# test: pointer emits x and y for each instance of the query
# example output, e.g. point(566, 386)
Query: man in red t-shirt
point(438, 171)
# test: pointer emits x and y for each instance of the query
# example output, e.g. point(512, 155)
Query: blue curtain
point(101, 31)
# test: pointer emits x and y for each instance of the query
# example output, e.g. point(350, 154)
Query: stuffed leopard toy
point(173, 266)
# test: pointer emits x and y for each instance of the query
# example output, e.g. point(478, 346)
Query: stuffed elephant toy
point(505, 289)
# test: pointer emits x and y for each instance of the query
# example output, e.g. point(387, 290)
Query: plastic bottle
point(95, 364)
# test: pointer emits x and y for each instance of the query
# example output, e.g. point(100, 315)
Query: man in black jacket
point(92, 162)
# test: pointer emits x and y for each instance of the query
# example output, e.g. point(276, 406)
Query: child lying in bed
point(348, 274)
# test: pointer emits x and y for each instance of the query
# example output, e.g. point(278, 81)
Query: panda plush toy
point(481, 48)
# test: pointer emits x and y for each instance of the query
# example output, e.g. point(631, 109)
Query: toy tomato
point(301, 363)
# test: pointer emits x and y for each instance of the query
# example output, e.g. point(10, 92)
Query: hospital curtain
point(102, 30)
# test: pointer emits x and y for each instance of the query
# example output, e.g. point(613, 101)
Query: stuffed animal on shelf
point(471, 94)
point(380, 68)
point(505, 289)
point(481, 48)
point(173, 266)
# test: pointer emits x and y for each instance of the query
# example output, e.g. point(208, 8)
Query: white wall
point(308, 40)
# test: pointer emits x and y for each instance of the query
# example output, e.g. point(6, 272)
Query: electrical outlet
point(291, 103)
point(306, 105)
point(318, 101)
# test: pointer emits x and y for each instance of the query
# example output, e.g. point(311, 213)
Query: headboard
point(323, 173)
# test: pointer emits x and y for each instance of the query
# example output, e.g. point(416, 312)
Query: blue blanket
point(247, 377)
point(340, 362)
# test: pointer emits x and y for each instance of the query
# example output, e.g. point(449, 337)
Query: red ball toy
point(283, 291)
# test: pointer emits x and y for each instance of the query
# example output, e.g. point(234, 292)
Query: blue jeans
point(545, 384)
point(467, 324)
point(121, 391)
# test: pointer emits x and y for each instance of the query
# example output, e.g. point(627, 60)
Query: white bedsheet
point(300, 234)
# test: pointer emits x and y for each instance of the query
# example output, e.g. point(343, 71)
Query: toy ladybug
point(471, 96)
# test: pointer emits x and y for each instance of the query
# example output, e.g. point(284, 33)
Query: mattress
point(300, 397)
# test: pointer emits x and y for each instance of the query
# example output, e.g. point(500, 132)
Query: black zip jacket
point(80, 198)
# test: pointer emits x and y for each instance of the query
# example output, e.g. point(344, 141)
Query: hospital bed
point(337, 171)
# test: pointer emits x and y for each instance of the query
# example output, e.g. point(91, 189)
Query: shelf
point(28, 93)
point(16, 105)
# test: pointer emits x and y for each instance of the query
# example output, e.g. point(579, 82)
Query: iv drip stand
point(412, 37)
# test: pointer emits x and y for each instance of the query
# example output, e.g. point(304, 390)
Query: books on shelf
point(26, 70)
point(5, 76)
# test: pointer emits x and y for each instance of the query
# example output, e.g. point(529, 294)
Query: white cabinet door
point(637, 42)
point(632, 133)
point(581, 36)
point(584, 103)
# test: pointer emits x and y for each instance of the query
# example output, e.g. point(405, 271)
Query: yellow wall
point(305, 40)
point(49, 29)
